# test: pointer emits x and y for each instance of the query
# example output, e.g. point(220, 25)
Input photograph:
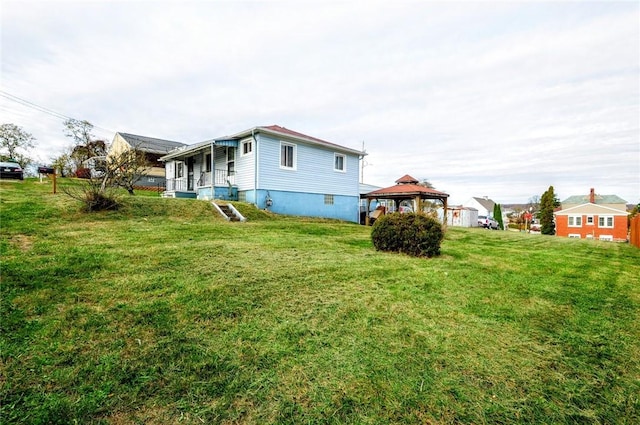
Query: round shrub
point(414, 234)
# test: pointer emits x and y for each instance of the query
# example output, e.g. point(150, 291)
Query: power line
point(40, 108)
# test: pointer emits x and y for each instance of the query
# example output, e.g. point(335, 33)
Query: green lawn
point(164, 313)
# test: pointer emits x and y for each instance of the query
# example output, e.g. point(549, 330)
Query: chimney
point(592, 196)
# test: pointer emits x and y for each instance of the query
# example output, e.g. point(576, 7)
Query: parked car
point(487, 222)
point(11, 170)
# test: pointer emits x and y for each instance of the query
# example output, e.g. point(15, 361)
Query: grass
point(164, 313)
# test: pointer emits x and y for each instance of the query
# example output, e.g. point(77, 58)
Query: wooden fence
point(634, 238)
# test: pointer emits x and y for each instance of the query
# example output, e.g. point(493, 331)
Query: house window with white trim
point(328, 199)
point(574, 235)
point(287, 156)
point(589, 220)
point(247, 147)
point(339, 163)
point(608, 238)
point(605, 221)
point(575, 221)
point(179, 170)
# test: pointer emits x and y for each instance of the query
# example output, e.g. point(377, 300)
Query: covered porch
point(204, 171)
point(406, 189)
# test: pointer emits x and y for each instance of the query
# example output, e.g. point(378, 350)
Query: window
point(590, 220)
point(574, 236)
point(338, 162)
point(605, 221)
point(151, 180)
point(231, 161)
point(247, 147)
point(575, 221)
point(328, 199)
point(606, 238)
point(179, 169)
point(287, 155)
point(207, 163)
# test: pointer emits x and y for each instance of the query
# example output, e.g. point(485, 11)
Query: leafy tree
point(426, 183)
point(14, 141)
point(497, 215)
point(85, 147)
point(63, 164)
point(79, 131)
point(548, 203)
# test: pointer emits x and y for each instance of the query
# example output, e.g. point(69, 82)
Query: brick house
point(602, 217)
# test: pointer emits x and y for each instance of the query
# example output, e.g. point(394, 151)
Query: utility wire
point(39, 108)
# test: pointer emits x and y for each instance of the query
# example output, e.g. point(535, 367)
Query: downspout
point(255, 166)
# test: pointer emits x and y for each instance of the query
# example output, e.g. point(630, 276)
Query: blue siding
point(309, 204)
point(313, 171)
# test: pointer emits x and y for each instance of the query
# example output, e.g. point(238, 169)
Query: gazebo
point(407, 189)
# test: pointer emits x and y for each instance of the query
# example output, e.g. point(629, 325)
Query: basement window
point(328, 199)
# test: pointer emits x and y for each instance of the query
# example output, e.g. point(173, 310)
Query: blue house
point(272, 167)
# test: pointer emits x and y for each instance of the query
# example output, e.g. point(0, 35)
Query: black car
point(11, 170)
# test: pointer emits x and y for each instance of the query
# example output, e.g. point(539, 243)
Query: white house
point(484, 205)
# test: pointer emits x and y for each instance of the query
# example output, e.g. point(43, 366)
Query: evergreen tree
point(548, 202)
point(497, 215)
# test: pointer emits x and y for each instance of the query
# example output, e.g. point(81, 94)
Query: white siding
point(245, 168)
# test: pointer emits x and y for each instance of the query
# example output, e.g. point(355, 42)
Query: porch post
point(213, 173)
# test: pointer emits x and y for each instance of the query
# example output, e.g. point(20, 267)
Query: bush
point(413, 234)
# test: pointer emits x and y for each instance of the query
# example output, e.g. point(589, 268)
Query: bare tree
point(98, 191)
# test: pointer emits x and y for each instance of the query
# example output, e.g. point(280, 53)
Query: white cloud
point(500, 98)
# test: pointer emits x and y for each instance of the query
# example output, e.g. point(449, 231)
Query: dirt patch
point(23, 242)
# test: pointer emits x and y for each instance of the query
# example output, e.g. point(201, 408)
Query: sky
point(498, 99)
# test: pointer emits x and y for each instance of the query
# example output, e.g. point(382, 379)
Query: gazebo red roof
point(406, 187)
point(407, 179)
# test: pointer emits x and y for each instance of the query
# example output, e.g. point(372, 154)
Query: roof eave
point(293, 137)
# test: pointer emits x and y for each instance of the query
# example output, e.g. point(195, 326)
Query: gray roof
point(487, 204)
point(151, 144)
point(600, 199)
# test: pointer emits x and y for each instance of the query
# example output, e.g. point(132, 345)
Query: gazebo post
point(444, 216)
point(366, 216)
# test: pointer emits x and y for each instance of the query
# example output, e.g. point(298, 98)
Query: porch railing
point(220, 178)
point(179, 184)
